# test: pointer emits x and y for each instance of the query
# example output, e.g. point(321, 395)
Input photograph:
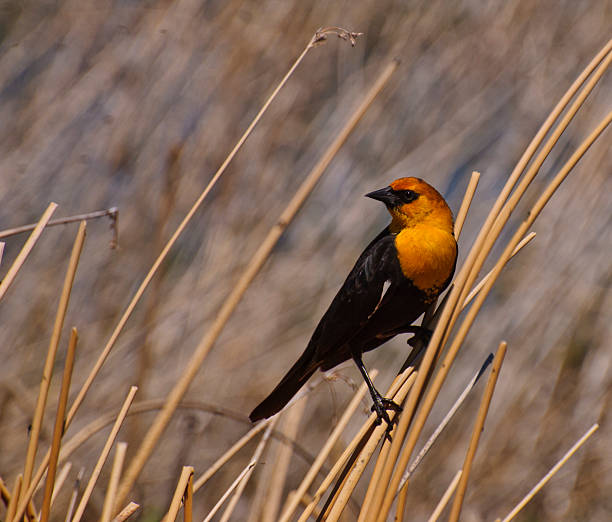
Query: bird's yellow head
point(411, 202)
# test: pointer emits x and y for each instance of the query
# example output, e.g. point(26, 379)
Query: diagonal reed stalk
point(43, 393)
point(445, 498)
point(392, 477)
point(257, 261)
point(551, 473)
point(58, 430)
point(179, 493)
point(113, 482)
point(478, 427)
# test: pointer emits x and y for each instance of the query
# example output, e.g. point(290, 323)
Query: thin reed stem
point(478, 427)
point(113, 482)
point(445, 498)
point(179, 494)
point(58, 430)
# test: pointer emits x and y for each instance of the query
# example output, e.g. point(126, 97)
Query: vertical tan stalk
point(58, 430)
point(179, 494)
point(465, 204)
point(12, 505)
point(113, 482)
point(60, 315)
point(478, 427)
point(26, 249)
point(365, 431)
point(280, 464)
point(257, 261)
point(75, 494)
point(104, 454)
point(329, 444)
point(188, 508)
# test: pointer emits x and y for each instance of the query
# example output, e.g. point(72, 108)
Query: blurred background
point(136, 104)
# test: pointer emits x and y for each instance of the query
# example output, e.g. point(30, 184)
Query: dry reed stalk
point(104, 454)
point(113, 482)
point(257, 261)
point(14, 498)
point(551, 473)
point(401, 505)
point(242, 484)
point(445, 498)
point(8, 279)
point(230, 453)
point(127, 512)
point(188, 507)
point(45, 382)
point(111, 212)
point(1, 250)
point(465, 203)
point(279, 465)
point(75, 493)
point(160, 259)
point(351, 448)
point(524, 242)
point(476, 432)
point(326, 449)
point(440, 428)
point(58, 430)
point(5, 494)
point(351, 480)
point(179, 494)
point(447, 314)
point(60, 481)
point(228, 492)
point(247, 469)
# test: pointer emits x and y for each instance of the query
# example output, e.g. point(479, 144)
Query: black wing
point(357, 299)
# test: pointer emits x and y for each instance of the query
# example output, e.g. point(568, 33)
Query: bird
point(397, 277)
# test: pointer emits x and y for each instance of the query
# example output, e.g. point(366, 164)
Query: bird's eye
point(408, 196)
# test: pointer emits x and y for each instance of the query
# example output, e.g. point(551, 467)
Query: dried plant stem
point(358, 439)
point(455, 294)
point(104, 454)
point(60, 481)
point(445, 498)
point(478, 427)
point(1, 250)
point(127, 512)
point(551, 473)
point(112, 212)
point(179, 494)
point(12, 505)
point(58, 430)
point(465, 204)
point(75, 494)
point(113, 482)
point(327, 447)
point(280, 466)
point(160, 259)
point(524, 242)
point(254, 461)
point(440, 428)
point(60, 315)
point(351, 480)
point(5, 494)
point(257, 261)
point(8, 279)
point(228, 492)
point(230, 453)
point(188, 505)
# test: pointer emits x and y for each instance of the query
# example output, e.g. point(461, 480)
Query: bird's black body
point(359, 319)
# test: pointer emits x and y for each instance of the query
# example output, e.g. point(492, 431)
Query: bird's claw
point(380, 406)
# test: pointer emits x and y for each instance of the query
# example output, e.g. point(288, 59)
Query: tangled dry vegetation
point(155, 339)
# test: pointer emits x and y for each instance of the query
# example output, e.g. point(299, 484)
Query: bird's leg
point(381, 404)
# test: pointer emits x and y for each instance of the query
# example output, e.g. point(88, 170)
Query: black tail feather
point(295, 378)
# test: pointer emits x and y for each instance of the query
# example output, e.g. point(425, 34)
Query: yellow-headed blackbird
point(399, 274)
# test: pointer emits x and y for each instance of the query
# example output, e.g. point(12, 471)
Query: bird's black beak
point(386, 195)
